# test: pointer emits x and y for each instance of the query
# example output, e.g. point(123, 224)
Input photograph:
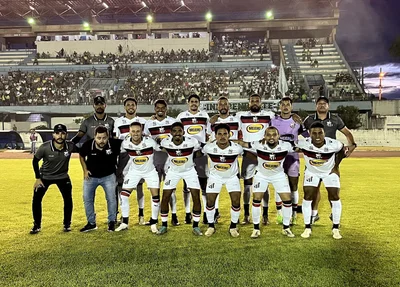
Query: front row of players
point(322, 157)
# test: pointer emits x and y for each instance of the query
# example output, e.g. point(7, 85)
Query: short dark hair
point(136, 124)
point(193, 96)
point(100, 130)
point(177, 124)
point(222, 126)
point(255, 95)
point(272, 128)
point(223, 98)
point(316, 124)
point(286, 99)
point(160, 101)
point(130, 99)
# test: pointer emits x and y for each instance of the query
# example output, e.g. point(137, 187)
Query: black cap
point(322, 98)
point(99, 100)
point(130, 99)
point(60, 128)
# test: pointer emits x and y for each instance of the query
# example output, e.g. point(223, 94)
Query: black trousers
point(65, 187)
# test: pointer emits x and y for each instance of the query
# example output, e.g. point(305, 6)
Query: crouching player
point(322, 156)
point(141, 151)
point(224, 169)
point(271, 153)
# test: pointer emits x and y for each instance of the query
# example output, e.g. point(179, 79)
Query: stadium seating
point(13, 57)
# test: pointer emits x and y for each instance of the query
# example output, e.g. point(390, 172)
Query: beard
point(223, 111)
point(255, 109)
point(100, 111)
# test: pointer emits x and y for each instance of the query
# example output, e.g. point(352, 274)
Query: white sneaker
point(153, 228)
point(288, 232)
point(210, 231)
point(122, 226)
point(336, 234)
point(306, 233)
point(141, 220)
point(256, 233)
point(234, 232)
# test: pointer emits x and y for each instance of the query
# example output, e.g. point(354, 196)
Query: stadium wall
point(111, 46)
point(386, 108)
point(378, 138)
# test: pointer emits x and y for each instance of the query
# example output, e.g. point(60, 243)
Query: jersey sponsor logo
point(193, 130)
point(222, 166)
point(141, 160)
point(271, 165)
point(254, 128)
point(66, 154)
point(179, 161)
point(317, 162)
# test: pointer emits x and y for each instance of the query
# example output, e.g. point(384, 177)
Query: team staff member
point(322, 156)
point(55, 154)
point(196, 125)
point(121, 131)
point(331, 123)
point(98, 158)
point(99, 118)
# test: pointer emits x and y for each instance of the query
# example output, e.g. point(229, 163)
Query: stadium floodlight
point(104, 5)
point(86, 25)
point(209, 16)
point(269, 15)
point(144, 5)
point(149, 18)
point(32, 8)
point(31, 21)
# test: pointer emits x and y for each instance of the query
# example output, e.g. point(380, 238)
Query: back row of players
point(175, 149)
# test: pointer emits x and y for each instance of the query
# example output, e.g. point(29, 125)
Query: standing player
point(223, 116)
point(160, 128)
point(253, 125)
point(224, 170)
point(196, 125)
point(54, 170)
point(271, 153)
point(121, 130)
point(332, 123)
point(181, 151)
point(33, 139)
point(289, 130)
point(99, 118)
point(140, 150)
point(319, 156)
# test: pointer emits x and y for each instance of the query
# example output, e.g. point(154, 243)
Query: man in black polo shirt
point(332, 123)
point(54, 170)
point(99, 118)
point(98, 158)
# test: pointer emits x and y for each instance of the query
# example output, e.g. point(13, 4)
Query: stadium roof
point(15, 12)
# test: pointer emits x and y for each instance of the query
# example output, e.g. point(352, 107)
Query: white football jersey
point(122, 125)
point(159, 129)
point(233, 124)
point(141, 155)
point(253, 125)
point(195, 125)
point(180, 158)
point(223, 162)
point(319, 160)
point(270, 161)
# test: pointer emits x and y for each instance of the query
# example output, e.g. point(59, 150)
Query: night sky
point(366, 30)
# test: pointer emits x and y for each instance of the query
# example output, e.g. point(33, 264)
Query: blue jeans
point(108, 183)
